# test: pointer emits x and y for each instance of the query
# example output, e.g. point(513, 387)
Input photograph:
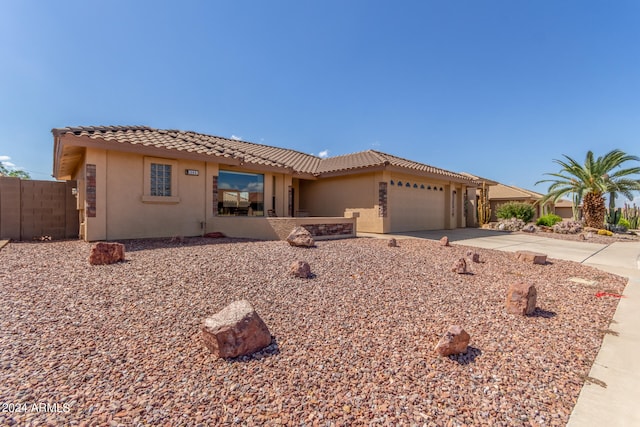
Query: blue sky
point(495, 88)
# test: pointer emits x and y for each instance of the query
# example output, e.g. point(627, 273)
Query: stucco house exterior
point(140, 182)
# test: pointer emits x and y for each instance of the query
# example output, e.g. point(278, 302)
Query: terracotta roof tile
point(248, 152)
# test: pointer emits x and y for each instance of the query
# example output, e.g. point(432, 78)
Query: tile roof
point(372, 158)
point(198, 143)
point(502, 191)
point(248, 152)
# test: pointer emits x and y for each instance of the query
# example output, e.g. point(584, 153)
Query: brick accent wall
point(382, 199)
point(329, 229)
point(91, 191)
point(214, 196)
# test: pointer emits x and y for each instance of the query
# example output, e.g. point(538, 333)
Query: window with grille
point(160, 180)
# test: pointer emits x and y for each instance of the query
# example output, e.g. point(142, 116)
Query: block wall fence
point(31, 209)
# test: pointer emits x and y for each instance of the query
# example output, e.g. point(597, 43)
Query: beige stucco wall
point(128, 216)
point(345, 195)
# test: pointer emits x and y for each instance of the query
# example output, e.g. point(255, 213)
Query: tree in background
point(589, 182)
point(4, 171)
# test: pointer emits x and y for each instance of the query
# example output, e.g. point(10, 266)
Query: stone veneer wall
point(91, 191)
point(214, 196)
point(317, 230)
point(382, 199)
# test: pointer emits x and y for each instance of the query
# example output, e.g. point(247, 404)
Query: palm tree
point(590, 181)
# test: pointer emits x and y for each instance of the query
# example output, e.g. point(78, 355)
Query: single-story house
point(499, 194)
point(563, 208)
point(140, 182)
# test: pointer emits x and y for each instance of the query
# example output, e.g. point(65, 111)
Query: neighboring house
point(564, 209)
point(139, 182)
point(499, 194)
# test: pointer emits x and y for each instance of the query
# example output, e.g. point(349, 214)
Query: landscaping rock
point(511, 224)
point(392, 243)
point(521, 299)
point(461, 267)
point(532, 257)
point(236, 330)
point(444, 241)
point(215, 235)
point(529, 228)
point(475, 256)
point(300, 269)
point(106, 253)
point(300, 236)
point(454, 341)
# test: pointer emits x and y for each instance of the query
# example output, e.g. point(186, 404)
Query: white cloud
point(9, 164)
point(236, 138)
point(4, 158)
point(323, 154)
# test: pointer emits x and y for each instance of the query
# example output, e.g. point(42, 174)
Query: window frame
point(146, 195)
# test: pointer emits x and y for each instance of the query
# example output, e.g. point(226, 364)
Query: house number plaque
point(192, 172)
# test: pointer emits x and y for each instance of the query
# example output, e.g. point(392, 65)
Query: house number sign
point(192, 172)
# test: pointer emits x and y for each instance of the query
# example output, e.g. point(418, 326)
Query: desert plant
point(624, 223)
point(613, 216)
point(484, 210)
point(522, 211)
point(590, 181)
point(631, 214)
point(549, 220)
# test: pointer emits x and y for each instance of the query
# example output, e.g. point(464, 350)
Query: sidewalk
point(617, 366)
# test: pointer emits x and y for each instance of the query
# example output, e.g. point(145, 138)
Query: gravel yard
point(121, 345)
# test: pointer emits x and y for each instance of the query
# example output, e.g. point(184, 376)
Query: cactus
point(631, 214)
point(613, 216)
point(484, 210)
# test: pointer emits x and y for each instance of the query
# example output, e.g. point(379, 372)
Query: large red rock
point(532, 257)
point(300, 269)
point(454, 341)
point(444, 241)
point(236, 330)
point(106, 253)
point(521, 299)
point(460, 267)
point(300, 236)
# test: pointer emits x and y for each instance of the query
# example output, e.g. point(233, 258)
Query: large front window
point(240, 194)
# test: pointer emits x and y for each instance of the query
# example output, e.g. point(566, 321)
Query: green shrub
point(548, 220)
point(523, 211)
point(623, 222)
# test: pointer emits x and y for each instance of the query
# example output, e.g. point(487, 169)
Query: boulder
point(454, 341)
point(521, 299)
point(529, 228)
point(236, 330)
point(300, 236)
point(460, 267)
point(475, 257)
point(444, 241)
point(300, 269)
point(393, 243)
point(532, 257)
point(106, 253)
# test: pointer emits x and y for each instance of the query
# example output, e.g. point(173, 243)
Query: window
point(240, 194)
point(160, 180)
